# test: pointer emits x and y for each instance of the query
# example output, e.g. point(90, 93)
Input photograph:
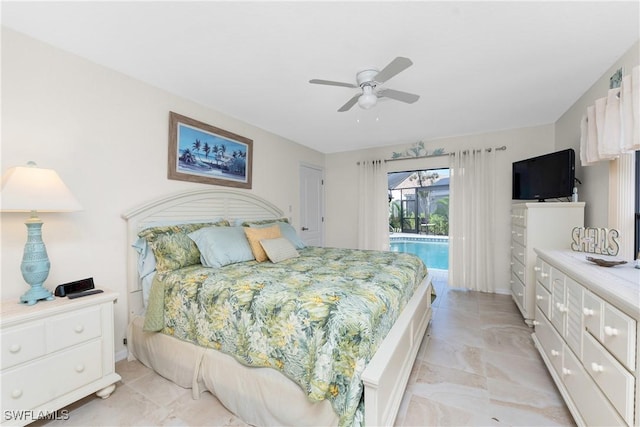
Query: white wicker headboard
point(189, 206)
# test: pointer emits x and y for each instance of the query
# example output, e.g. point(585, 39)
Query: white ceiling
point(478, 66)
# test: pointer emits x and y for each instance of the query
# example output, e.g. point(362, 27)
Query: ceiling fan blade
point(350, 103)
point(409, 98)
point(331, 83)
point(396, 66)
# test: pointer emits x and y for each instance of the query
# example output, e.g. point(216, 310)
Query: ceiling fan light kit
point(368, 99)
point(368, 82)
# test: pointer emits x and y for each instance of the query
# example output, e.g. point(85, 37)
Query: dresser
point(586, 330)
point(54, 353)
point(544, 225)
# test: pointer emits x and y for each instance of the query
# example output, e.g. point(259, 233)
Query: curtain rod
point(503, 148)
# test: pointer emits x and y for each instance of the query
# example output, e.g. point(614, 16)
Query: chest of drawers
point(586, 330)
point(537, 225)
point(54, 353)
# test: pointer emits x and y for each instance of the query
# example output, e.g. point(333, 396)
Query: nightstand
point(54, 353)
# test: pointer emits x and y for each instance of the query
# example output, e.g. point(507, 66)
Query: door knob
point(305, 228)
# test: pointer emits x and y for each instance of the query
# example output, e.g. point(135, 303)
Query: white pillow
point(279, 249)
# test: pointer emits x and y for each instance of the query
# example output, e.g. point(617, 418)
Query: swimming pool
point(434, 252)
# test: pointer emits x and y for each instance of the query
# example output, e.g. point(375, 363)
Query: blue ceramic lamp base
point(35, 263)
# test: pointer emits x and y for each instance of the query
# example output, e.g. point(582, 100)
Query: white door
point(311, 205)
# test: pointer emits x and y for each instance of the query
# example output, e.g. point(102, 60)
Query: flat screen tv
point(550, 176)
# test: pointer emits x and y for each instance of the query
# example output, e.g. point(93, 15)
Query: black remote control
point(84, 293)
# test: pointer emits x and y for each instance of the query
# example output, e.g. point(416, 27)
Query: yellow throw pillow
point(254, 235)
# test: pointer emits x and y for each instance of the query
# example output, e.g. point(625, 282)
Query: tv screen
point(550, 176)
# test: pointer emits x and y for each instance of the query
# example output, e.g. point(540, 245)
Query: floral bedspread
point(318, 318)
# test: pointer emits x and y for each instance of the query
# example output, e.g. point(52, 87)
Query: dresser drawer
point(592, 404)
point(543, 273)
point(558, 301)
point(518, 235)
point(619, 335)
point(517, 290)
point(612, 378)
point(23, 387)
point(519, 253)
point(592, 309)
point(73, 328)
point(519, 217)
point(543, 300)
point(550, 340)
point(518, 269)
point(22, 343)
point(574, 328)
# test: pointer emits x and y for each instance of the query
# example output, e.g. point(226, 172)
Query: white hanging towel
point(610, 144)
point(584, 141)
point(592, 135)
point(630, 110)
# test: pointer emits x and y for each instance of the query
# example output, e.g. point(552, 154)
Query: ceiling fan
point(369, 82)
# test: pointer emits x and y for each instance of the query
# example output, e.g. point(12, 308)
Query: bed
point(259, 389)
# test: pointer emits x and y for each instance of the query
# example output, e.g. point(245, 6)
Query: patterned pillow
point(279, 249)
point(254, 235)
point(259, 222)
point(172, 246)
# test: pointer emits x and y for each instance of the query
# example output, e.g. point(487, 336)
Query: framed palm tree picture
point(202, 153)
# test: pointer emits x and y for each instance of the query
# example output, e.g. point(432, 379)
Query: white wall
point(342, 182)
point(106, 135)
point(595, 179)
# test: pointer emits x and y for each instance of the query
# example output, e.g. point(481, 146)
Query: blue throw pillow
point(220, 246)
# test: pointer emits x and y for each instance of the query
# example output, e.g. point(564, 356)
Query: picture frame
point(202, 153)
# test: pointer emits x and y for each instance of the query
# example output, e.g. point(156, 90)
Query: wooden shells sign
point(593, 240)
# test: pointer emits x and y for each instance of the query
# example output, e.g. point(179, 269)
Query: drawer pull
point(561, 308)
point(566, 371)
point(79, 329)
point(596, 367)
point(520, 294)
point(536, 268)
point(555, 353)
point(520, 273)
point(544, 275)
point(610, 332)
point(539, 297)
point(80, 368)
point(587, 311)
point(14, 348)
point(535, 323)
point(16, 394)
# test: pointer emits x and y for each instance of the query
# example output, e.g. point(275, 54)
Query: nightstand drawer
point(614, 380)
point(23, 388)
point(21, 344)
point(73, 328)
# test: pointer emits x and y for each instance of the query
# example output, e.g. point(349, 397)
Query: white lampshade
point(30, 188)
point(368, 99)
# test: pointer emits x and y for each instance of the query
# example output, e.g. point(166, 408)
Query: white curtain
point(471, 220)
point(373, 205)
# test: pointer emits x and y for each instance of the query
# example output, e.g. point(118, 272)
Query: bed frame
point(385, 377)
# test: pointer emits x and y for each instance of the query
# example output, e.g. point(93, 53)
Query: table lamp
point(32, 189)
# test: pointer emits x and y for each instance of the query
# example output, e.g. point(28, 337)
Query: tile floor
point(477, 367)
